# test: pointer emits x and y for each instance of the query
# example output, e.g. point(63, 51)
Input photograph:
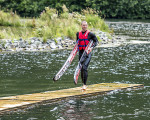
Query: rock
point(66, 46)
point(21, 44)
point(32, 41)
point(49, 41)
point(47, 47)
point(15, 43)
point(7, 45)
point(40, 47)
point(12, 47)
point(33, 46)
point(60, 47)
point(28, 46)
point(67, 39)
point(53, 45)
point(9, 41)
point(113, 40)
point(118, 38)
point(11, 50)
point(37, 43)
point(52, 40)
point(20, 39)
point(62, 42)
point(70, 111)
point(32, 49)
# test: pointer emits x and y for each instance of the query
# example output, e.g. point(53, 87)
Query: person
point(83, 38)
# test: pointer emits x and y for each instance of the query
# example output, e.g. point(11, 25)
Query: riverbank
point(124, 33)
point(50, 31)
point(37, 44)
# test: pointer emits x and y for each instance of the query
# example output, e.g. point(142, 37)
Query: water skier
point(83, 37)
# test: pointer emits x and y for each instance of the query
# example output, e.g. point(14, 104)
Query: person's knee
point(84, 67)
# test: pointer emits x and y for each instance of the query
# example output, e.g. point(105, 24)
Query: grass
point(49, 24)
point(9, 19)
point(15, 32)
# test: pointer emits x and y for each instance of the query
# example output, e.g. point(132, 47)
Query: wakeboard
point(67, 63)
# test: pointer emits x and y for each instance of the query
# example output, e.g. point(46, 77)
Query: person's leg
point(82, 75)
point(84, 71)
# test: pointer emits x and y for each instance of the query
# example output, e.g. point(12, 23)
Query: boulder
point(53, 45)
point(7, 45)
point(21, 44)
point(60, 47)
point(12, 47)
point(37, 43)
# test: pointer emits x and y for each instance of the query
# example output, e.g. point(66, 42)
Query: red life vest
point(83, 40)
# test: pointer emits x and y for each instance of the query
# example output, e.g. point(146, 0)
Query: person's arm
point(94, 38)
point(77, 36)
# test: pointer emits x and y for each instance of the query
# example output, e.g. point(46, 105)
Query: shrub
point(49, 25)
point(2, 36)
point(94, 20)
point(9, 19)
point(49, 14)
point(131, 9)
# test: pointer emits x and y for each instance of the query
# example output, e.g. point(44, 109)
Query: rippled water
point(131, 30)
point(30, 72)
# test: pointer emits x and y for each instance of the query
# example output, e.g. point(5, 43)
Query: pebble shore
point(37, 44)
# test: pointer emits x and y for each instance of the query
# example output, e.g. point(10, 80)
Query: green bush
point(51, 25)
point(71, 31)
point(9, 19)
point(15, 32)
point(94, 20)
point(2, 36)
point(48, 14)
point(135, 9)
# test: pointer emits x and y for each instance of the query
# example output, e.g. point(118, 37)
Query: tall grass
point(15, 32)
point(53, 25)
point(67, 24)
point(94, 20)
point(49, 24)
point(9, 19)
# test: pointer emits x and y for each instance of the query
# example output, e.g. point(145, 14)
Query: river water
point(32, 72)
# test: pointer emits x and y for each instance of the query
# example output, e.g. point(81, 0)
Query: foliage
point(67, 24)
point(135, 9)
point(99, 39)
point(51, 25)
point(15, 32)
point(9, 19)
point(48, 14)
point(94, 20)
point(2, 36)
